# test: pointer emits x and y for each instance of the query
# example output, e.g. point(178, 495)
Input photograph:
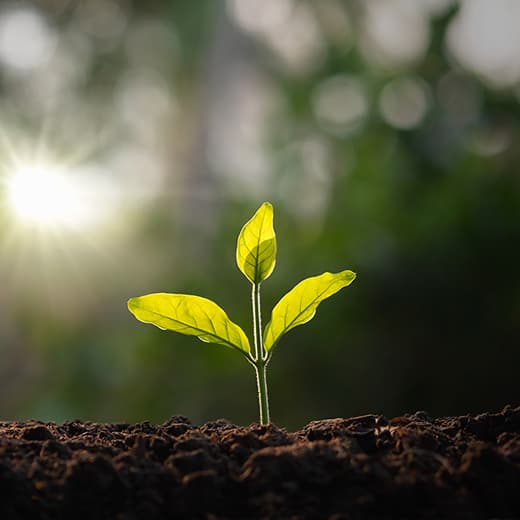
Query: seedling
point(256, 258)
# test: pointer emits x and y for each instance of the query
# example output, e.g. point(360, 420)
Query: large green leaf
point(191, 315)
point(256, 245)
point(299, 305)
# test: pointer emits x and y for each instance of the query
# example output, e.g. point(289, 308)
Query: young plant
point(256, 258)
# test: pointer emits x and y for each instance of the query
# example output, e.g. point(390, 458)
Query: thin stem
point(256, 338)
point(259, 355)
point(257, 323)
point(263, 399)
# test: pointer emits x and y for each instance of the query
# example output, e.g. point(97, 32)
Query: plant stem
point(263, 400)
point(260, 356)
point(257, 327)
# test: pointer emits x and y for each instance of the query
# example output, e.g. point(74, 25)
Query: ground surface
point(366, 467)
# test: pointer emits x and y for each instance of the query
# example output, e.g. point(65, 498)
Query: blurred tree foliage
point(426, 212)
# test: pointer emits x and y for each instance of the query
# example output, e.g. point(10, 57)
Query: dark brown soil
point(367, 467)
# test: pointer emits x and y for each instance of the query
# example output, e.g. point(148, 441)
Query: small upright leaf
point(299, 305)
point(191, 315)
point(256, 245)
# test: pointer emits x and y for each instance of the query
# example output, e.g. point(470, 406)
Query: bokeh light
point(26, 40)
point(340, 104)
point(484, 38)
point(395, 33)
point(404, 102)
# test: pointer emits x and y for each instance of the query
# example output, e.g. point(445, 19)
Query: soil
point(369, 467)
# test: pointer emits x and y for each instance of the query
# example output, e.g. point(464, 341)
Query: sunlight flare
point(45, 195)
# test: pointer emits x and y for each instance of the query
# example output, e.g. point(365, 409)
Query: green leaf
point(191, 315)
point(256, 245)
point(299, 305)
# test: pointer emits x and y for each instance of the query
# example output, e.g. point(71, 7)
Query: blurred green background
point(136, 138)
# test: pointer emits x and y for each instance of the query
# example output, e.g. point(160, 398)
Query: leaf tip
point(348, 275)
point(256, 245)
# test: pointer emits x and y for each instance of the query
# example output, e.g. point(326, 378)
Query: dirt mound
point(368, 467)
